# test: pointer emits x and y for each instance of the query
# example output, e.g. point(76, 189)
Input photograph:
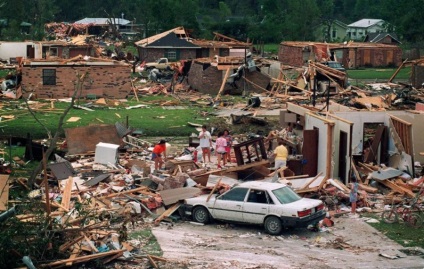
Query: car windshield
point(286, 195)
point(335, 65)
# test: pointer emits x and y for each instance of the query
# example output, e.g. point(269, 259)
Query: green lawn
point(271, 48)
point(153, 120)
point(378, 73)
point(401, 233)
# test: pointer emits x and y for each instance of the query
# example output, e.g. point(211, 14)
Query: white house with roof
point(359, 29)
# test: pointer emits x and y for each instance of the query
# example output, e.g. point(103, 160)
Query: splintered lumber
point(218, 96)
point(111, 258)
point(396, 188)
point(126, 192)
point(85, 258)
point(298, 176)
point(213, 190)
point(67, 245)
point(367, 188)
point(397, 71)
point(314, 189)
point(343, 186)
point(66, 198)
point(4, 192)
point(358, 177)
point(89, 242)
point(158, 258)
point(152, 262)
point(75, 252)
point(369, 167)
point(311, 181)
point(168, 212)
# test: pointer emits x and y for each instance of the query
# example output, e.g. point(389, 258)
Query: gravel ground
point(351, 243)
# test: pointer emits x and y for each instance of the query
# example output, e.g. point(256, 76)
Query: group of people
point(222, 146)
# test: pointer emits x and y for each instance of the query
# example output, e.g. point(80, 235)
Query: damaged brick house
point(177, 44)
point(206, 75)
point(351, 54)
point(173, 44)
point(9, 51)
point(57, 79)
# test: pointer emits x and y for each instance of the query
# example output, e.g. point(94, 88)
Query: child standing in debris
point(353, 196)
point(157, 154)
point(229, 140)
point(221, 143)
point(205, 143)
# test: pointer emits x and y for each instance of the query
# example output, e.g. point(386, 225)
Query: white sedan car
point(272, 205)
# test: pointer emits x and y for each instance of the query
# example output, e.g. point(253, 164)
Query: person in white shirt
point(205, 143)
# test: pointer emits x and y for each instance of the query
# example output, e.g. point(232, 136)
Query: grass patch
point(401, 233)
point(271, 48)
point(149, 243)
point(380, 73)
point(153, 120)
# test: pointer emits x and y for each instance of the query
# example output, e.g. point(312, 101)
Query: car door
point(256, 206)
point(229, 206)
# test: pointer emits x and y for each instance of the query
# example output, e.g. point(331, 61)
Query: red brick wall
point(103, 81)
point(209, 80)
point(290, 55)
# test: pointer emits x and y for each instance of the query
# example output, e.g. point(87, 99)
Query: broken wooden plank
point(168, 212)
point(89, 242)
point(85, 258)
point(218, 96)
point(396, 188)
point(4, 192)
point(66, 195)
point(152, 262)
point(126, 192)
point(358, 177)
point(213, 190)
point(172, 196)
point(311, 181)
point(67, 245)
point(367, 188)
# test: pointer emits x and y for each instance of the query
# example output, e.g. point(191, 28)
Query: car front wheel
point(273, 225)
point(201, 214)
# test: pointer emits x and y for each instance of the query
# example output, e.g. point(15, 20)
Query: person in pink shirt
point(220, 145)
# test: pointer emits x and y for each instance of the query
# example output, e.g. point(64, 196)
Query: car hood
point(201, 200)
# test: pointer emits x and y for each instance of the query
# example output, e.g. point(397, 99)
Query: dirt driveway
point(352, 243)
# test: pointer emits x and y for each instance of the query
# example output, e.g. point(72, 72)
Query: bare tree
point(59, 130)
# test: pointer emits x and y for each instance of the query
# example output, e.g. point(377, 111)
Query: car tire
point(201, 215)
point(273, 225)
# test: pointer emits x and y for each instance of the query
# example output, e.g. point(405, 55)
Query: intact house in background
point(331, 140)
point(176, 44)
point(359, 29)
point(332, 31)
point(350, 54)
point(57, 79)
point(10, 51)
